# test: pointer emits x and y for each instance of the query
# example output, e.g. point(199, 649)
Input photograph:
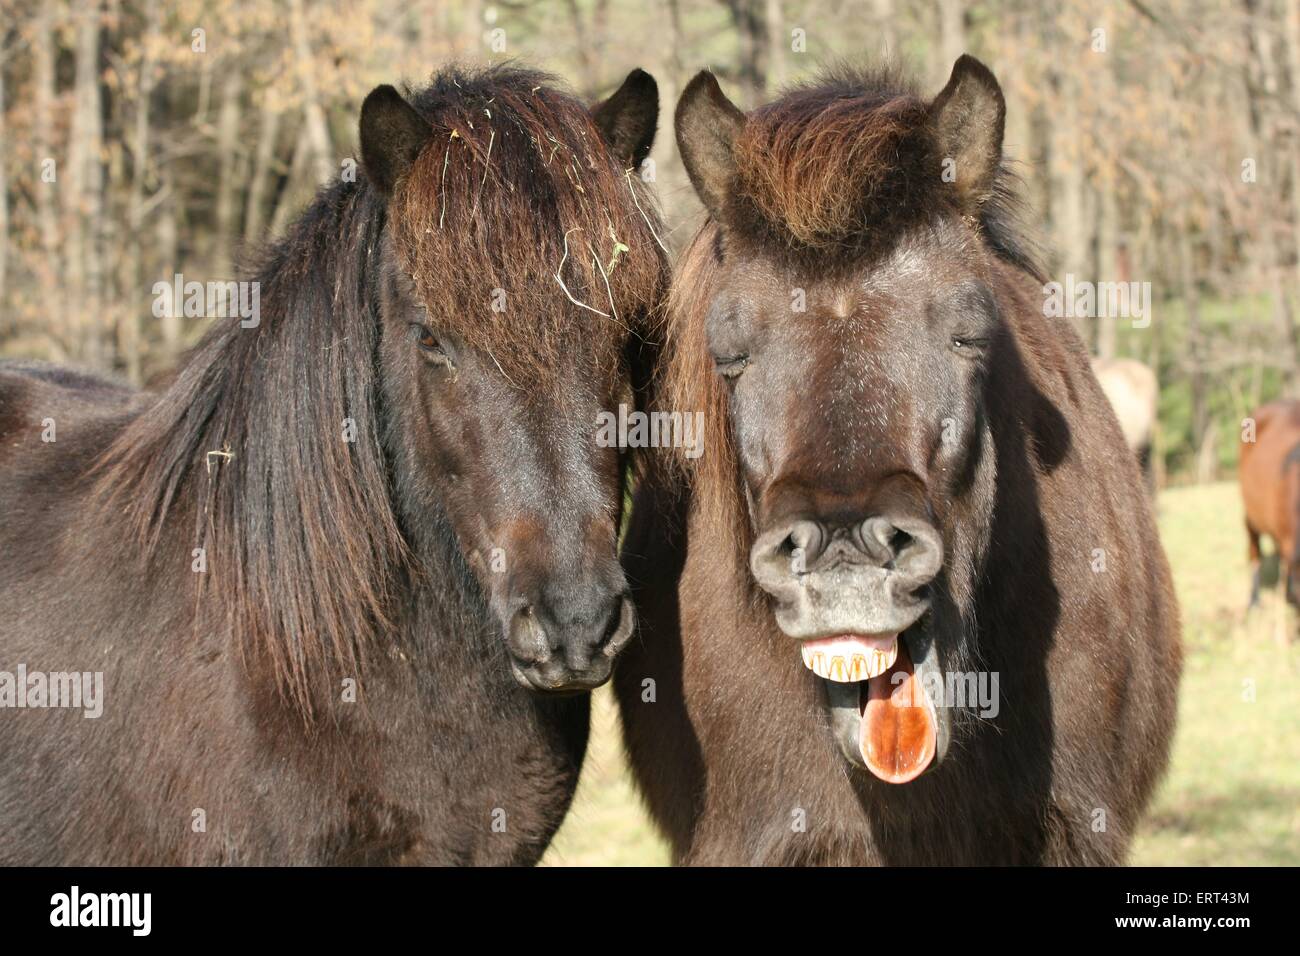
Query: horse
point(1132, 391)
point(1269, 472)
point(909, 605)
point(347, 576)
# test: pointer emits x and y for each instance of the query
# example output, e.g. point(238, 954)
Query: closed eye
point(732, 365)
point(969, 344)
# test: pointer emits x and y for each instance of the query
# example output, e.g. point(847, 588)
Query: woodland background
point(1169, 156)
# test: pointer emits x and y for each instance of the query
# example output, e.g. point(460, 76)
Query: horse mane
point(298, 525)
point(828, 176)
point(517, 207)
point(834, 170)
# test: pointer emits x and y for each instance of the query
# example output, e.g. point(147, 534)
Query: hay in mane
point(517, 210)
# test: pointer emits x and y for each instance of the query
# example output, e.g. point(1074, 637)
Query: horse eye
point(732, 366)
point(429, 344)
point(964, 344)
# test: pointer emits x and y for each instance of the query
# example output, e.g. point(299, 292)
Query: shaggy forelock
point(831, 176)
point(517, 202)
point(833, 172)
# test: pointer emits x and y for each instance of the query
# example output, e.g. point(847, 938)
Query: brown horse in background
point(912, 486)
point(1269, 471)
point(346, 575)
point(1133, 393)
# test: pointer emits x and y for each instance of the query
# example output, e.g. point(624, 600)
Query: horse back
point(1264, 467)
point(44, 404)
point(54, 423)
point(1133, 392)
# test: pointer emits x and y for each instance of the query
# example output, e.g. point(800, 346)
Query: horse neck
point(443, 585)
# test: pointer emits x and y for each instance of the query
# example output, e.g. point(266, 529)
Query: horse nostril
point(526, 638)
point(899, 542)
point(614, 622)
point(805, 538)
point(879, 540)
point(918, 553)
point(582, 620)
point(915, 552)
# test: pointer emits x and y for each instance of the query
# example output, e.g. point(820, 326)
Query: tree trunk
point(778, 45)
point(267, 134)
point(46, 212)
point(882, 21)
point(167, 241)
point(751, 27)
point(1262, 88)
point(1293, 63)
point(83, 192)
point(131, 341)
point(588, 41)
point(1066, 173)
point(286, 203)
point(227, 181)
point(1195, 343)
point(5, 310)
point(1107, 264)
point(471, 44)
point(952, 35)
point(317, 130)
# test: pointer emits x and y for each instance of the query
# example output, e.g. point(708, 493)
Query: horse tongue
point(899, 727)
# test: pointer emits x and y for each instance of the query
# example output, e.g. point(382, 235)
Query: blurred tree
point(1160, 143)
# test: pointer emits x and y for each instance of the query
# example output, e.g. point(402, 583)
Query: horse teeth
point(849, 663)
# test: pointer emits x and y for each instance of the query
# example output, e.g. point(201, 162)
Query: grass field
point(1232, 795)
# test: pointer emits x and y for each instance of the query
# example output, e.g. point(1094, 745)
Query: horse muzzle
point(852, 592)
point(566, 650)
point(887, 712)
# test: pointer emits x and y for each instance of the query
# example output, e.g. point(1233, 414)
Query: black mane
point(297, 523)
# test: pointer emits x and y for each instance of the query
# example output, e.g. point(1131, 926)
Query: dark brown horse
point(331, 574)
point(910, 605)
point(1269, 470)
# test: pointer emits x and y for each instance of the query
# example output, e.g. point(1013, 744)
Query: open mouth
point(882, 717)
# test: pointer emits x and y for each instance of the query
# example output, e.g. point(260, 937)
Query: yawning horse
point(909, 606)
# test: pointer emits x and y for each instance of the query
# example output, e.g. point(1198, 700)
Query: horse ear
point(707, 124)
point(968, 118)
point(629, 117)
point(392, 135)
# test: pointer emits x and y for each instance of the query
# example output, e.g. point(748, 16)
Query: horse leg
point(1284, 559)
point(1253, 551)
point(1145, 465)
point(1285, 568)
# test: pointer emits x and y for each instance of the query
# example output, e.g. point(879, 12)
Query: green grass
point(1232, 794)
point(607, 825)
